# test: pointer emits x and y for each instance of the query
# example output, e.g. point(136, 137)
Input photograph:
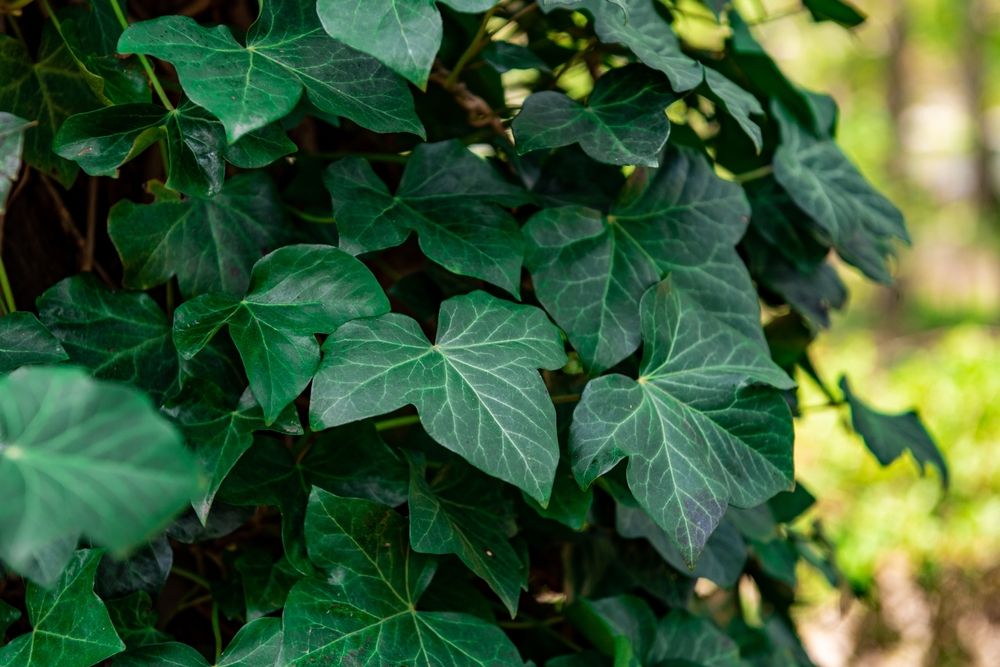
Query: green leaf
point(220, 431)
point(210, 244)
point(365, 608)
point(118, 335)
point(135, 619)
point(506, 56)
point(260, 148)
point(78, 456)
point(476, 389)
point(286, 53)
point(621, 627)
point(24, 340)
point(447, 197)
point(48, 90)
point(465, 513)
point(835, 10)
point(623, 121)
point(637, 25)
point(682, 636)
point(102, 140)
point(12, 131)
point(295, 292)
point(145, 569)
point(590, 270)
point(403, 34)
point(858, 221)
point(738, 103)
point(569, 504)
point(70, 624)
point(889, 436)
point(699, 427)
point(8, 616)
point(265, 583)
point(257, 644)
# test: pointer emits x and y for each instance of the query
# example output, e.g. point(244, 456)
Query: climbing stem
point(150, 74)
point(8, 295)
point(475, 46)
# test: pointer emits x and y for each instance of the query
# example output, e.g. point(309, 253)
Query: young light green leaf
point(295, 292)
point(403, 34)
point(889, 436)
point(220, 431)
point(118, 335)
point(681, 636)
point(79, 456)
point(700, 427)
point(859, 222)
point(640, 28)
point(257, 644)
point(365, 609)
point(465, 513)
point(70, 625)
point(447, 197)
point(623, 121)
point(12, 131)
point(210, 244)
point(590, 270)
point(48, 90)
point(286, 53)
point(476, 388)
point(24, 340)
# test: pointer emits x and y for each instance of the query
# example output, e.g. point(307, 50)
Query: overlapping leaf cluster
point(457, 333)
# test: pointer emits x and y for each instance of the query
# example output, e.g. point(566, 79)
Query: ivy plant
point(403, 332)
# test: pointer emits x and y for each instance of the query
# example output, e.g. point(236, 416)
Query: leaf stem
point(475, 46)
point(150, 74)
point(309, 217)
point(754, 174)
point(8, 295)
point(396, 422)
point(191, 576)
point(565, 398)
point(216, 631)
point(371, 157)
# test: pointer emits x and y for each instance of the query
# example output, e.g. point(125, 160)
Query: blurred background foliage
point(919, 92)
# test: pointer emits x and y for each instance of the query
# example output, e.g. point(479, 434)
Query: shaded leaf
point(24, 340)
point(835, 10)
point(145, 570)
point(12, 131)
point(682, 636)
point(257, 644)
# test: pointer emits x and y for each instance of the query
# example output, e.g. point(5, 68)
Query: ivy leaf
point(48, 91)
point(220, 432)
point(835, 10)
point(118, 335)
point(257, 644)
point(637, 25)
point(681, 636)
point(464, 513)
point(698, 428)
point(590, 270)
point(446, 196)
point(889, 436)
point(623, 121)
point(24, 340)
point(621, 627)
point(78, 456)
point(286, 53)
point(403, 34)
point(135, 619)
point(738, 103)
point(295, 292)
point(365, 608)
point(70, 624)
point(476, 389)
point(265, 582)
point(210, 244)
point(569, 504)
point(8, 616)
point(145, 569)
point(12, 131)
point(859, 222)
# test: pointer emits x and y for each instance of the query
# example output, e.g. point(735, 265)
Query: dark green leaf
point(78, 456)
point(622, 627)
point(681, 636)
point(476, 388)
point(835, 10)
point(257, 644)
point(8, 616)
point(738, 103)
point(118, 335)
point(210, 244)
point(135, 620)
point(365, 609)
point(505, 56)
point(12, 131)
point(286, 53)
point(859, 222)
point(265, 583)
point(569, 504)
point(48, 90)
point(70, 624)
point(699, 429)
point(446, 196)
point(889, 436)
point(623, 121)
point(590, 270)
point(465, 513)
point(403, 34)
point(295, 292)
point(144, 570)
point(24, 340)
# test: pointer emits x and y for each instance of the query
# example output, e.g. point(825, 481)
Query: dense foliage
point(388, 332)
